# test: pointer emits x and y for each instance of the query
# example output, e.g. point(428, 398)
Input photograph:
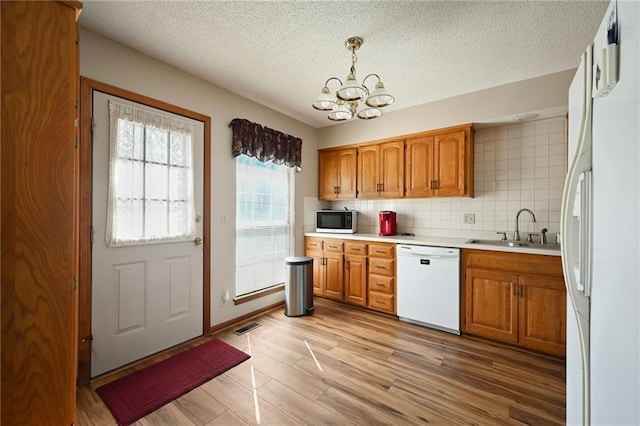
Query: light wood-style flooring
point(368, 369)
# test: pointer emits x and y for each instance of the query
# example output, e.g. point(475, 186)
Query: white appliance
point(429, 286)
point(600, 226)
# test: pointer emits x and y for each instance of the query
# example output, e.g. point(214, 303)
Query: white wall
point(490, 105)
point(516, 166)
point(104, 60)
point(110, 62)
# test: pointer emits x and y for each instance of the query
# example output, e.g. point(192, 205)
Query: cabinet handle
point(521, 291)
point(380, 267)
point(346, 265)
point(380, 302)
point(515, 289)
point(380, 284)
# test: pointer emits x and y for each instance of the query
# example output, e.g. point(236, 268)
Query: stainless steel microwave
point(337, 221)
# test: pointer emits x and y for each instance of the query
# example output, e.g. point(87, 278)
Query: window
point(150, 178)
point(263, 223)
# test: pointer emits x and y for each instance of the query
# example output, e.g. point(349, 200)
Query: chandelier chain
point(354, 59)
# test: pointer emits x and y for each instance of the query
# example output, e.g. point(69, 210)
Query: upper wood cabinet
point(440, 164)
point(437, 163)
point(39, 175)
point(337, 174)
point(381, 170)
point(419, 173)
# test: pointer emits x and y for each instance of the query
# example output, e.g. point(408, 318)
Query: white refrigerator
point(600, 226)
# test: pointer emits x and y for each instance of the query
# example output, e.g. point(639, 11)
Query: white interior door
point(147, 297)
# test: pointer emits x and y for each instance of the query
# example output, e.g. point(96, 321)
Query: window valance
point(265, 144)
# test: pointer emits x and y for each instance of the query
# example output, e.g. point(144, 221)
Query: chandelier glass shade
point(352, 98)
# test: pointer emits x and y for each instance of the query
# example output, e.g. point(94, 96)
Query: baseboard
point(232, 323)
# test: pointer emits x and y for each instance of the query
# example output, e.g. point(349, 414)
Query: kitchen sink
point(522, 244)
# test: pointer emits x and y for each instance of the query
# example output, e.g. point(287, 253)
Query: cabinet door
point(333, 275)
point(391, 169)
point(355, 279)
point(327, 175)
point(543, 311)
point(39, 186)
point(346, 175)
point(368, 165)
point(449, 164)
point(491, 304)
point(419, 167)
point(318, 271)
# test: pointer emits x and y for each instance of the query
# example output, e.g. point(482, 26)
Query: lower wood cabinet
point(328, 266)
point(381, 280)
point(515, 298)
point(356, 272)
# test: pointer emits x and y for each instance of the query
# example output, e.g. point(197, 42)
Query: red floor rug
point(144, 391)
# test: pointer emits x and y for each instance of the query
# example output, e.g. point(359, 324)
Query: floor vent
point(246, 328)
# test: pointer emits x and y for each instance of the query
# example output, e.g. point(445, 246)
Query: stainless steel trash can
point(298, 286)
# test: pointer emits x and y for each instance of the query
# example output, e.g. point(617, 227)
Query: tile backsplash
point(516, 166)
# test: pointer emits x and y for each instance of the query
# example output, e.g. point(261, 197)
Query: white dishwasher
point(429, 286)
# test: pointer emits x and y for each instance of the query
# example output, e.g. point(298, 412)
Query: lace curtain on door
point(150, 195)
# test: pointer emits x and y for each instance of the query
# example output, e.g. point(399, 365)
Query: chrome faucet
point(516, 233)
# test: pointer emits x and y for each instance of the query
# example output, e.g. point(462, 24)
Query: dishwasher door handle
point(437, 257)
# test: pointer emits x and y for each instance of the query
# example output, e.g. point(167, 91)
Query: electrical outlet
point(469, 218)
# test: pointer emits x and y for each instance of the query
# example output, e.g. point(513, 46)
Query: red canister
point(387, 223)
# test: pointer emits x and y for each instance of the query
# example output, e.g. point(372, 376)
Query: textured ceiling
point(279, 53)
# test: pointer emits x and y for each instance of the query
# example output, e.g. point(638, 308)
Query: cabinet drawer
point(381, 284)
point(520, 263)
point(333, 245)
point(382, 302)
point(355, 248)
point(311, 243)
point(382, 250)
point(381, 266)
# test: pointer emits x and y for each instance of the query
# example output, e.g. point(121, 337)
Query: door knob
point(198, 241)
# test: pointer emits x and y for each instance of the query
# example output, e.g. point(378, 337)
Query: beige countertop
point(550, 250)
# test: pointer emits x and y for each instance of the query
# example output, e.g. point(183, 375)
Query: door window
point(150, 196)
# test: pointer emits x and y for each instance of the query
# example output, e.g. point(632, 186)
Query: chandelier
point(347, 99)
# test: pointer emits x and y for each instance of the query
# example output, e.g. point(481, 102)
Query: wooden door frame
point(87, 87)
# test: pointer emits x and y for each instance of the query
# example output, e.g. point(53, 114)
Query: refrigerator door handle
point(585, 233)
point(576, 234)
